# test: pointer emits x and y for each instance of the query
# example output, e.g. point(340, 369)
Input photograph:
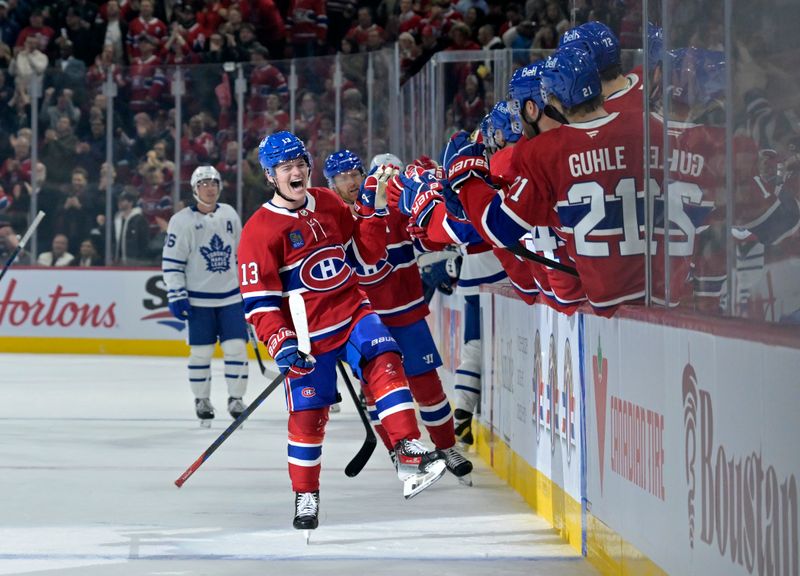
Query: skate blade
point(465, 480)
point(205, 423)
point(307, 535)
point(416, 483)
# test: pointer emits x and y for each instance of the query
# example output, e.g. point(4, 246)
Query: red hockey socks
point(386, 380)
point(306, 431)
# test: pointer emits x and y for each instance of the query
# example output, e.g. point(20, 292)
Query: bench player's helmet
point(571, 76)
point(339, 162)
point(525, 84)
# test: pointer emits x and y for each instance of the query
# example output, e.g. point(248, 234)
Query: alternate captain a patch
point(296, 238)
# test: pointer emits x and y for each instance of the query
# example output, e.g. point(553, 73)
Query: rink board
point(683, 460)
point(89, 311)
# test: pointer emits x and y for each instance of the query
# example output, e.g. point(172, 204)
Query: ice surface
point(90, 447)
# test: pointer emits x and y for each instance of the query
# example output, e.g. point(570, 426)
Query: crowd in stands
point(77, 45)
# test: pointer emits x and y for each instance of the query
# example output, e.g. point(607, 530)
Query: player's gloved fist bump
point(180, 308)
point(415, 183)
point(464, 159)
point(282, 346)
point(423, 205)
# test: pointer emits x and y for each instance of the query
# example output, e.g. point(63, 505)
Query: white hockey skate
point(205, 411)
point(418, 467)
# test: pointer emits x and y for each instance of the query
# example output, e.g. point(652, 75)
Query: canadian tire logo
point(600, 371)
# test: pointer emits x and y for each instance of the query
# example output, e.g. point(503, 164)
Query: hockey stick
point(362, 457)
point(234, 425)
point(520, 250)
point(303, 346)
point(254, 344)
point(21, 245)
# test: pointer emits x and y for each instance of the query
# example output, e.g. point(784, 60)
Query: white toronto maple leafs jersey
point(199, 257)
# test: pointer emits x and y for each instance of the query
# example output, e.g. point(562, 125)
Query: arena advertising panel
point(96, 304)
point(532, 389)
point(694, 430)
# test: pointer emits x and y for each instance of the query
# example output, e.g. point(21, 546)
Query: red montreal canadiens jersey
point(584, 180)
point(696, 167)
point(629, 98)
point(305, 251)
point(393, 285)
point(562, 291)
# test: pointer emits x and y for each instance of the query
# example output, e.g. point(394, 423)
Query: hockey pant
point(384, 384)
point(434, 408)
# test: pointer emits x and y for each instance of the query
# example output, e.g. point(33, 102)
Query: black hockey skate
point(463, 422)
point(204, 410)
point(417, 466)
point(458, 466)
point(235, 407)
point(306, 510)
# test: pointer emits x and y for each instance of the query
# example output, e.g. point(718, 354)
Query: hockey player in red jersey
point(394, 288)
point(581, 178)
point(297, 242)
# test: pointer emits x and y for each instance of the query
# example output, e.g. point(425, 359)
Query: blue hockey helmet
point(341, 161)
point(608, 41)
point(655, 45)
point(501, 118)
point(281, 147)
point(525, 85)
point(697, 76)
point(570, 75)
point(587, 41)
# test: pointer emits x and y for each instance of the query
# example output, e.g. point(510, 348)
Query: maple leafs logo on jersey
point(217, 255)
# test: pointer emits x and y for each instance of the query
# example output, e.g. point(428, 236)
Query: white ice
point(90, 447)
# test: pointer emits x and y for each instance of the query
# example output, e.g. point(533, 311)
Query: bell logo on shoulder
point(571, 36)
point(217, 255)
point(296, 238)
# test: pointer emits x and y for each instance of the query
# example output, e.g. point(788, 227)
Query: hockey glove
point(463, 159)
point(453, 204)
point(180, 308)
point(423, 206)
point(426, 163)
point(416, 183)
point(371, 199)
point(282, 346)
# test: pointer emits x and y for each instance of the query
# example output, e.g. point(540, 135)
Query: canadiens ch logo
point(325, 269)
point(308, 392)
point(373, 274)
point(296, 238)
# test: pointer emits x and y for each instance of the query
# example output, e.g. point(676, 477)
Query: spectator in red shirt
point(43, 34)
point(469, 106)
point(147, 79)
point(360, 31)
point(307, 27)
point(145, 25)
point(409, 20)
